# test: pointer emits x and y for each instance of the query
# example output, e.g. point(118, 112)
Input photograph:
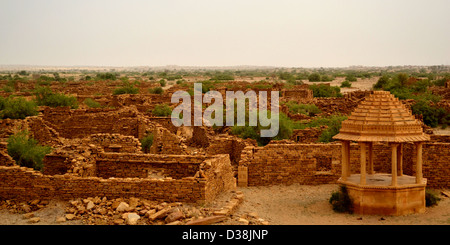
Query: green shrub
point(286, 126)
point(314, 77)
point(306, 109)
point(323, 90)
point(106, 76)
point(26, 151)
point(340, 200)
point(162, 110)
point(432, 116)
point(146, 143)
point(156, 90)
point(162, 82)
point(431, 198)
point(127, 88)
point(91, 103)
point(45, 97)
point(350, 78)
point(346, 84)
point(17, 108)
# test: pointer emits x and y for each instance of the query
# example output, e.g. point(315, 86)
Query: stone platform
point(379, 197)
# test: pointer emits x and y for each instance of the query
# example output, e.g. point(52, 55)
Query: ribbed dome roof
point(381, 117)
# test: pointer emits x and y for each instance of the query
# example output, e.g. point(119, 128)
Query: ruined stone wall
point(293, 163)
point(165, 142)
point(84, 122)
point(26, 184)
point(121, 165)
point(321, 163)
point(116, 143)
point(231, 145)
point(219, 173)
point(307, 135)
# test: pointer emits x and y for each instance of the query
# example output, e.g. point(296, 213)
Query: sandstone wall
point(321, 163)
point(214, 176)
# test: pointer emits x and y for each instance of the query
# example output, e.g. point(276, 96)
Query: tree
point(314, 77)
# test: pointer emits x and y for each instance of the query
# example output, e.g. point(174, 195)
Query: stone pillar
point(419, 162)
point(349, 172)
point(344, 159)
point(363, 163)
point(400, 160)
point(394, 164)
point(370, 167)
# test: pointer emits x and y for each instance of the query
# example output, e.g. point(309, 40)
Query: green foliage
point(431, 198)
point(314, 77)
point(326, 78)
point(106, 76)
point(286, 126)
point(17, 108)
point(222, 76)
point(46, 97)
point(350, 78)
point(146, 143)
point(26, 151)
point(333, 122)
point(162, 82)
point(306, 109)
point(91, 103)
point(162, 110)
point(432, 116)
point(346, 84)
point(341, 201)
point(127, 88)
point(156, 90)
point(323, 90)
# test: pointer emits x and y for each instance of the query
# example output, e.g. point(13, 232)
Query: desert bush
point(162, 110)
point(46, 97)
point(91, 103)
point(350, 78)
point(432, 116)
point(322, 90)
point(126, 88)
point(286, 126)
point(346, 84)
point(306, 109)
point(162, 82)
point(106, 76)
point(314, 77)
point(26, 151)
point(156, 90)
point(431, 198)
point(146, 143)
point(17, 108)
point(341, 201)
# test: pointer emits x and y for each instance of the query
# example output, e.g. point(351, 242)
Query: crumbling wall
point(81, 123)
point(120, 165)
point(21, 183)
point(116, 143)
point(307, 135)
point(321, 163)
point(164, 142)
point(212, 177)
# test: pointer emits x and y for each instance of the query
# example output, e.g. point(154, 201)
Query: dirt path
point(308, 205)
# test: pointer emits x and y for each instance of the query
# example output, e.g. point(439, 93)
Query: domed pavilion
point(383, 118)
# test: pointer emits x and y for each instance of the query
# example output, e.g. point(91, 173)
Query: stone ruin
point(97, 153)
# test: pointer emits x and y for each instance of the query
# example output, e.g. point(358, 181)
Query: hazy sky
point(301, 33)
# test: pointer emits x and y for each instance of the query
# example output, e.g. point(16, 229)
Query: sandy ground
point(308, 205)
point(280, 205)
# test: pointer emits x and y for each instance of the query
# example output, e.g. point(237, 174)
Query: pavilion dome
point(381, 117)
